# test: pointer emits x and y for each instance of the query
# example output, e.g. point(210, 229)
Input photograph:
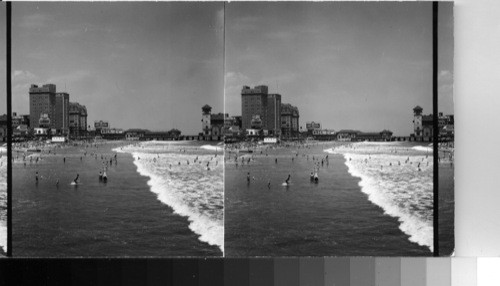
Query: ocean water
point(137, 212)
point(3, 199)
point(193, 188)
point(446, 202)
point(371, 199)
point(399, 179)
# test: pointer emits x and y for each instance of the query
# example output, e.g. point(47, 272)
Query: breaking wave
point(399, 179)
point(189, 180)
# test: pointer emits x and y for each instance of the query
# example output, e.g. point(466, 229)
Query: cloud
point(235, 77)
point(23, 76)
point(276, 81)
point(70, 77)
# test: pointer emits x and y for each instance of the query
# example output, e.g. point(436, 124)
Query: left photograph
point(117, 142)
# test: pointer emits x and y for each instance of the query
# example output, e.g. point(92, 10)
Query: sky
point(154, 65)
point(3, 55)
point(136, 65)
point(361, 65)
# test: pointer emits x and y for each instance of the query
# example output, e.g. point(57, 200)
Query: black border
point(9, 129)
point(435, 129)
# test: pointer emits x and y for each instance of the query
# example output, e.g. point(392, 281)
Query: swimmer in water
point(287, 181)
point(76, 179)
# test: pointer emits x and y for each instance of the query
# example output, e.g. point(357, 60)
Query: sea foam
point(211, 147)
point(423, 149)
point(399, 180)
point(191, 190)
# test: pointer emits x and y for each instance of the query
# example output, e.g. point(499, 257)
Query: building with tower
point(212, 124)
point(417, 121)
point(423, 125)
point(205, 119)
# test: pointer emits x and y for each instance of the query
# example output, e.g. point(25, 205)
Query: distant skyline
point(361, 65)
point(136, 65)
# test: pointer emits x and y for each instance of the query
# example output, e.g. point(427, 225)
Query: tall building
point(61, 120)
point(254, 102)
point(42, 105)
point(77, 119)
point(289, 120)
point(295, 121)
point(273, 123)
point(83, 119)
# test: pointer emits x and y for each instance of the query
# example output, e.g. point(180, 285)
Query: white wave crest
point(423, 148)
point(212, 148)
point(191, 190)
point(400, 182)
point(3, 236)
point(3, 203)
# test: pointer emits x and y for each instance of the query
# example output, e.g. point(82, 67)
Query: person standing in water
point(36, 177)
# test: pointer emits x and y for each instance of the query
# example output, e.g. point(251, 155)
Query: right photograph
point(330, 127)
